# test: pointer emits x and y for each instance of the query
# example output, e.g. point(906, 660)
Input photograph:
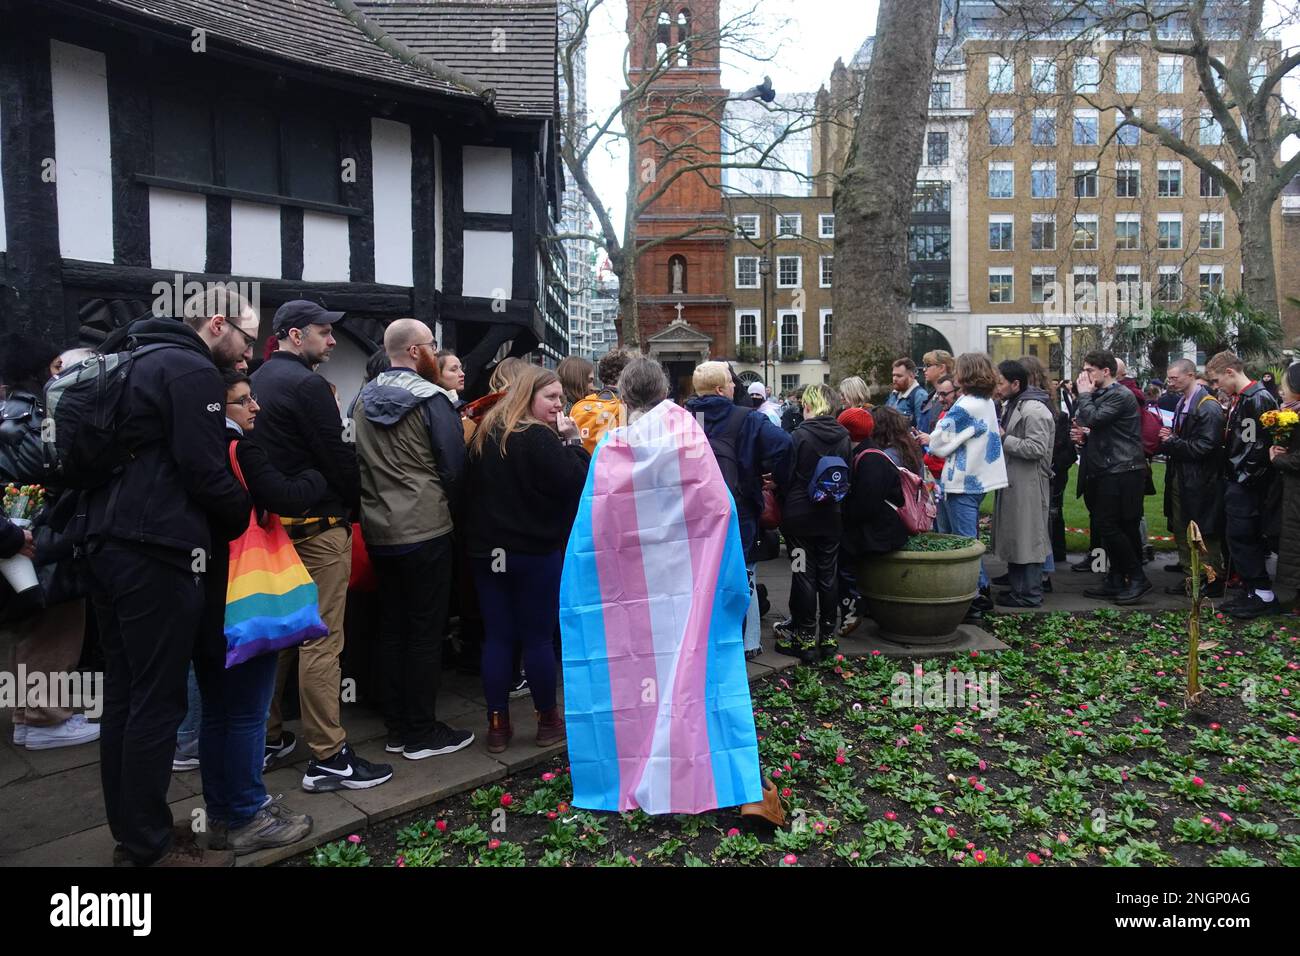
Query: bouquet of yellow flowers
point(1280, 423)
point(21, 502)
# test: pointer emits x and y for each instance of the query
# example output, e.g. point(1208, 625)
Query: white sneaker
point(20, 734)
point(75, 730)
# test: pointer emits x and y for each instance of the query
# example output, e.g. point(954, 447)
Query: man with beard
point(412, 455)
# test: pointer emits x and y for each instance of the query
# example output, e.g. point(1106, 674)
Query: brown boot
point(192, 855)
point(499, 732)
point(768, 809)
point(550, 727)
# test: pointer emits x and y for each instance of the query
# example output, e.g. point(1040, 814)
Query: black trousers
point(1056, 523)
point(1117, 517)
point(414, 592)
point(149, 613)
point(814, 583)
point(1245, 534)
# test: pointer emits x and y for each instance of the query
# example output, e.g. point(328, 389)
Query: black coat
point(301, 429)
point(11, 538)
point(813, 439)
point(1195, 463)
point(1115, 443)
point(870, 525)
point(22, 455)
point(177, 486)
point(1283, 520)
point(1246, 463)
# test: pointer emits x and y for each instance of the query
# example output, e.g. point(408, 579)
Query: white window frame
point(1010, 117)
point(798, 283)
point(822, 316)
point(1085, 114)
point(1043, 81)
point(1171, 113)
point(1160, 282)
point(1167, 217)
point(1041, 217)
point(1000, 271)
point(1167, 166)
point(1089, 166)
point(1090, 86)
point(758, 326)
point(1002, 219)
point(1003, 168)
point(798, 225)
point(821, 271)
point(1136, 131)
point(1127, 63)
point(822, 220)
point(780, 325)
point(1128, 218)
point(1040, 167)
point(1214, 270)
point(1215, 184)
point(758, 225)
point(758, 278)
point(1084, 219)
point(1129, 276)
point(1089, 274)
point(1128, 166)
point(1002, 75)
point(1049, 272)
point(1206, 130)
point(1210, 218)
point(1035, 120)
point(1169, 74)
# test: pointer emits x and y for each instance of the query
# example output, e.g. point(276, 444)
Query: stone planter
point(920, 597)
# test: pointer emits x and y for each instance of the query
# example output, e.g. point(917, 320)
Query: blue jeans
point(187, 737)
point(520, 604)
point(232, 741)
point(962, 516)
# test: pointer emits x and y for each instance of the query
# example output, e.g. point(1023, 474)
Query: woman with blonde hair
point(473, 414)
point(854, 392)
point(527, 469)
point(935, 365)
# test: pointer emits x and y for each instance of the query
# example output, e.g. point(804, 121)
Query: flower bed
point(1089, 758)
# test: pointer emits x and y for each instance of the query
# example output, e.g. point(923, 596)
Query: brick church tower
point(681, 282)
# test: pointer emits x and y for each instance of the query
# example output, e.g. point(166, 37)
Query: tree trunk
point(1255, 224)
point(873, 202)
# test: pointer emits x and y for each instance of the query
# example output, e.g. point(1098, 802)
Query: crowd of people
point(466, 507)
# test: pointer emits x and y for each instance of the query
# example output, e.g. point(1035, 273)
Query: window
point(932, 195)
point(1172, 120)
point(747, 329)
point(1001, 127)
point(1002, 77)
point(1042, 180)
point(791, 336)
point(1169, 75)
point(1211, 133)
point(1044, 74)
point(1211, 230)
point(936, 148)
point(1127, 134)
point(310, 160)
point(1258, 72)
point(1169, 231)
point(1041, 279)
point(1085, 128)
point(789, 226)
point(827, 332)
point(940, 96)
point(746, 272)
point(1211, 279)
point(1042, 131)
point(929, 243)
point(1211, 188)
point(747, 226)
point(1001, 180)
point(1128, 285)
point(1001, 289)
point(1000, 233)
point(789, 383)
point(1128, 180)
point(1085, 232)
point(1085, 284)
point(789, 272)
point(1170, 285)
point(1169, 179)
point(1042, 231)
point(826, 226)
point(1085, 180)
point(1128, 231)
point(930, 290)
point(827, 264)
point(1087, 74)
point(1128, 74)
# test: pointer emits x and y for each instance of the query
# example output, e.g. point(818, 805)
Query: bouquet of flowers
point(22, 502)
point(1280, 423)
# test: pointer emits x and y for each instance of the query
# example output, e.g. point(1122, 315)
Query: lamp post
point(764, 270)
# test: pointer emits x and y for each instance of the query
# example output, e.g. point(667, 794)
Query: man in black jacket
point(149, 538)
point(301, 428)
point(1193, 448)
point(1248, 476)
point(1116, 464)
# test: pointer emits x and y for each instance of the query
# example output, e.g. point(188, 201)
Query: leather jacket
point(1115, 440)
point(22, 457)
point(1246, 462)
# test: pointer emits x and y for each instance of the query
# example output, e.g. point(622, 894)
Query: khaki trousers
point(48, 642)
point(328, 559)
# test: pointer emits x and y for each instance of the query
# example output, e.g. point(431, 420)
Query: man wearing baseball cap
point(300, 428)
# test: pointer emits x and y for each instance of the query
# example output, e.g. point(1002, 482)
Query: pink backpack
point(918, 511)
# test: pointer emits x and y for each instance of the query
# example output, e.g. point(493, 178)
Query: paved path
point(52, 811)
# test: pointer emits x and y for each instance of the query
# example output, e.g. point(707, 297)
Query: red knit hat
point(859, 423)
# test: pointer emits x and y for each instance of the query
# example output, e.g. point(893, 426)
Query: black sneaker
point(443, 740)
point(1254, 606)
point(520, 689)
point(344, 771)
point(281, 748)
point(394, 743)
point(1002, 580)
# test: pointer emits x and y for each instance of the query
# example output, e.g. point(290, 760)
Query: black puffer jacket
point(1246, 462)
point(177, 484)
point(1195, 453)
point(813, 439)
point(22, 457)
point(1115, 442)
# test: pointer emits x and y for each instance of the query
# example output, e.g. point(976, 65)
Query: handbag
point(271, 600)
point(771, 516)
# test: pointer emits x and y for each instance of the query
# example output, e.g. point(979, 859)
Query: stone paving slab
point(88, 848)
point(333, 817)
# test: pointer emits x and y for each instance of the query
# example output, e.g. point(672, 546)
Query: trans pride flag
point(652, 603)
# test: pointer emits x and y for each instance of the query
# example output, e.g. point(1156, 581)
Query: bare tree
point(646, 110)
point(873, 201)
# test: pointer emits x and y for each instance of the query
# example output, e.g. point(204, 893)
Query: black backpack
point(83, 418)
point(725, 449)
